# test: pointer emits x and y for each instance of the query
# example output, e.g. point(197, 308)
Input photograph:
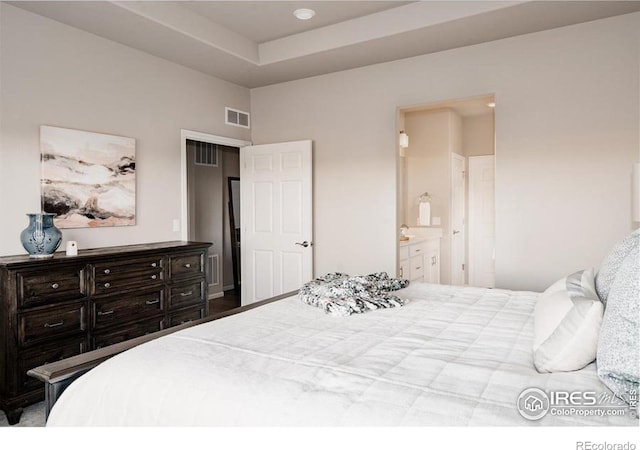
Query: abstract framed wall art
point(88, 179)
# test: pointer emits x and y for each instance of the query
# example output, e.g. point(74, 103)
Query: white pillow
point(567, 321)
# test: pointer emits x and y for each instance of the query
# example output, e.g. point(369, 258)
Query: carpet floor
point(33, 416)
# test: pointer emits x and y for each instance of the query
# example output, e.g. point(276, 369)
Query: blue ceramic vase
point(41, 238)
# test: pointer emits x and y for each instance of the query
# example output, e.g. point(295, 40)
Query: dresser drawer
point(118, 310)
point(186, 294)
point(134, 330)
point(121, 275)
point(124, 283)
point(187, 315)
point(113, 270)
point(186, 265)
point(50, 323)
point(51, 285)
point(46, 355)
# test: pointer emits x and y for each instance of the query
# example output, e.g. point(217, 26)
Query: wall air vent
point(213, 270)
point(237, 118)
point(205, 153)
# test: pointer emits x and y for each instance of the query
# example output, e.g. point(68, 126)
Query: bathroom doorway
point(440, 166)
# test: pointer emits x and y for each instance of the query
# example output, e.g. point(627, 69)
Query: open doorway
point(210, 166)
point(446, 190)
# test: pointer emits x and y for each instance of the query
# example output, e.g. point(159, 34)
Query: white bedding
point(451, 356)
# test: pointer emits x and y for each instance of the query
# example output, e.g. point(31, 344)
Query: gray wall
point(567, 121)
point(53, 74)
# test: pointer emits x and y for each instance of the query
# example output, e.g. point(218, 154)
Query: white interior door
point(458, 251)
point(276, 219)
point(482, 221)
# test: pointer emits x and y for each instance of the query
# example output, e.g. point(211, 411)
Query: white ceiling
point(264, 21)
point(259, 43)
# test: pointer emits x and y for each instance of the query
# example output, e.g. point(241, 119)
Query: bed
point(452, 356)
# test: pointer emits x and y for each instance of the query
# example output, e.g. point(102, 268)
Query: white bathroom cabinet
point(420, 260)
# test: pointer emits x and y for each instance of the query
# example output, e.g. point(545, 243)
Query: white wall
point(478, 135)
point(567, 122)
point(428, 160)
point(56, 75)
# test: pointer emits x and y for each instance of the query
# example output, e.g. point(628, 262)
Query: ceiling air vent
point(237, 118)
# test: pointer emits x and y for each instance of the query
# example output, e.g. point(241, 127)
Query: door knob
point(304, 244)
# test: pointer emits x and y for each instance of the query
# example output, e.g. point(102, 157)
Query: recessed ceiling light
point(491, 105)
point(304, 13)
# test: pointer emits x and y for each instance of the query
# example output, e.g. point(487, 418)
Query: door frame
point(184, 199)
point(463, 231)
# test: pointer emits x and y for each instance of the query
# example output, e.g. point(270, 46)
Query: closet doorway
point(210, 170)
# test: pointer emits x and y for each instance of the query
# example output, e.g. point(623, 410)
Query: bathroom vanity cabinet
point(420, 259)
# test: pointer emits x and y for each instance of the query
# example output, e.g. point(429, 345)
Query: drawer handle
point(152, 302)
point(54, 325)
point(433, 260)
point(154, 265)
point(186, 294)
point(105, 313)
point(153, 277)
point(187, 265)
point(55, 286)
point(107, 271)
point(418, 250)
point(186, 321)
point(418, 268)
point(107, 285)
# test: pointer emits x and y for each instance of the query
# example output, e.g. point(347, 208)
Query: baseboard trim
point(228, 288)
point(216, 295)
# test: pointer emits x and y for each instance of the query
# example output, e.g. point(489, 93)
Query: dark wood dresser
point(55, 308)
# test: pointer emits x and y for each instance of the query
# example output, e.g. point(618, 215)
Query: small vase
point(41, 238)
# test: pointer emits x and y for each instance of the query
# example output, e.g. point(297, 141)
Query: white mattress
point(451, 356)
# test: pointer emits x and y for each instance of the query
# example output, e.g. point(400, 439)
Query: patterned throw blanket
point(339, 294)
